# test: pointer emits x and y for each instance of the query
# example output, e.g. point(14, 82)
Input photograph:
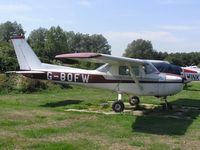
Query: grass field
point(38, 121)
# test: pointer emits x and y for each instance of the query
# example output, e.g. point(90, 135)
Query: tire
point(118, 106)
point(134, 100)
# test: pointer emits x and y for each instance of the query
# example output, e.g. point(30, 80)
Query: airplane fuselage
point(163, 85)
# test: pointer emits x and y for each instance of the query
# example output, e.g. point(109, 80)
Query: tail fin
point(25, 55)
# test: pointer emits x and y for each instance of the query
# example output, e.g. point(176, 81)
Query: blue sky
point(171, 25)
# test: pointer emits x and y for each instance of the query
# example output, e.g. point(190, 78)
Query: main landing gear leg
point(118, 105)
point(166, 105)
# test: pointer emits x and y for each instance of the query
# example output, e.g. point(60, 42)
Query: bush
point(5, 84)
point(21, 84)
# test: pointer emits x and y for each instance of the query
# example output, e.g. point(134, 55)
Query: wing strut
point(135, 78)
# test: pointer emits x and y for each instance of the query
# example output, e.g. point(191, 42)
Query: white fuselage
point(155, 84)
point(120, 74)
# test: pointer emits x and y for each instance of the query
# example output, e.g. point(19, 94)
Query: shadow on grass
point(187, 102)
point(61, 103)
point(172, 122)
point(192, 90)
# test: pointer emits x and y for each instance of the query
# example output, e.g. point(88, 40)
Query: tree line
point(47, 43)
point(143, 49)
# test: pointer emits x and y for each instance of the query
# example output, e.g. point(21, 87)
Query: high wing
point(104, 58)
point(98, 58)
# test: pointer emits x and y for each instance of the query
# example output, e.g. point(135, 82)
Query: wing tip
point(79, 55)
point(17, 37)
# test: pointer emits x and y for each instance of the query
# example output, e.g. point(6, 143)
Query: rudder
point(26, 57)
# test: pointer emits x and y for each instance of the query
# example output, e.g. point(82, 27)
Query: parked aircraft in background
point(119, 74)
point(191, 73)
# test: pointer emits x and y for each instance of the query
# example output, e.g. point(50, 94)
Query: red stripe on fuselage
point(86, 78)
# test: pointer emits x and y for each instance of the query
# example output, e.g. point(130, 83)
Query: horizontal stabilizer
point(24, 72)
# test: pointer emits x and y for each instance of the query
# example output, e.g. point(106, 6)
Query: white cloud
point(120, 40)
point(14, 8)
point(149, 35)
point(161, 40)
point(85, 3)
point(177, 27)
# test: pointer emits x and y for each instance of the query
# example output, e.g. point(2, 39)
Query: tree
point(48, 43)
point(55, 42)
point(36, 40)
point(8, 59)
point(89, 43)
point(81, 42)
point(9, 29)
point(184, 59)
point(99, 44)
point(174, 59)
point(70, 40)
point(140, 49)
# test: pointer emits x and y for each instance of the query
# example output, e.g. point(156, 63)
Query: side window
point(136, 69)
point(124, 70)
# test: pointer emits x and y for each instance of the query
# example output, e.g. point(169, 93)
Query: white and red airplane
point(119, 74)
point(191, 73)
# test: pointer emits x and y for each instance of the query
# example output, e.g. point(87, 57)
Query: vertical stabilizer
point(25, 55)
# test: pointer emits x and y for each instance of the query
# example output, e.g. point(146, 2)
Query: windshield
point(149, 69)
point(168, 68)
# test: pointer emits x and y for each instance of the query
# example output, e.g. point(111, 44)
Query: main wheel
point(118, 106)
point(134, 100)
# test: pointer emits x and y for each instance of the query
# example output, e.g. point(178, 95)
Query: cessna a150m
point(119, 74)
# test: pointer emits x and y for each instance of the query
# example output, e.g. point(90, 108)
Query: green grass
point(53, 146)
point(158, 146)
point(43, 132)
point(38, 121)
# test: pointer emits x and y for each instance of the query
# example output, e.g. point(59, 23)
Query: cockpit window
point(124, 70)
point(136, 69)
